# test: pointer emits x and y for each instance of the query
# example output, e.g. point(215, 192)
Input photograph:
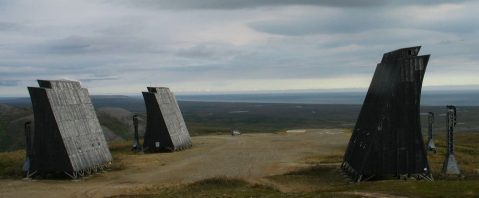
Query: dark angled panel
point(49, 154)
point(165, 128)
point(387, 139)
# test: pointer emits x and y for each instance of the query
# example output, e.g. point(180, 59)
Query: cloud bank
point(119, 47)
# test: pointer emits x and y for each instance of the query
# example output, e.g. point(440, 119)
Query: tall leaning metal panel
point(165, 128)
point(387, 141)
point(67, 136)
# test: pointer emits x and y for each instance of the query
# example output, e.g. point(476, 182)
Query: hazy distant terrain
point(11, 126)
point(428, 98)
point(135, 103)
point(114, 113)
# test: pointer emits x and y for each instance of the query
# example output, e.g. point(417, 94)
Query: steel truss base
point(78, 174)
point(352, 176)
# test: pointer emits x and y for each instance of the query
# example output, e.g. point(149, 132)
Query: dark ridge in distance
point(135, 103)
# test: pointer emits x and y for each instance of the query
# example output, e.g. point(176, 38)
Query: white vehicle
point(235, 132)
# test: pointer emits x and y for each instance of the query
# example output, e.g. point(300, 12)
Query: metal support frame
point(450, 166)
point(87, 172)
point(136, 139)
point(28, 147)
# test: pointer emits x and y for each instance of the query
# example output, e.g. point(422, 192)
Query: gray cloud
point(361, 20)
point(243, 4)
point(98, 78)
point(99, 44)
point(228, 46)
point(240, 4)
point(6, 26)
point(351, 22)
point(209, 50)
point(72, 44)
point(196, 69)
point(197, 51)
point(9, 83)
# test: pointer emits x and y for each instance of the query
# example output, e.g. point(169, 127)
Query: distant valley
point(220, 114)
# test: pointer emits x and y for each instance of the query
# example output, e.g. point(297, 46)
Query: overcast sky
point(122, 46)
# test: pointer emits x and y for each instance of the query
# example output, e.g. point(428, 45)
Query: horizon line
point(289, 91)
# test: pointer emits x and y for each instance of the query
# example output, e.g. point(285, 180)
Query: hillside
point(115, 122)
point(12, 120)
point(204, 118)
point(214, 117)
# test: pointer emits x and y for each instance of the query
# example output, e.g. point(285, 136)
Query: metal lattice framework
point(67, 136)
point(387, 139)
point(165, 127)
point(450, 166)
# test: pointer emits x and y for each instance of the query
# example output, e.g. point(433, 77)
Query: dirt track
point(249, 156)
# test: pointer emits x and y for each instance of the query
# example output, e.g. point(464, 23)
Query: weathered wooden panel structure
point(387, 140)
point(165, 128)
point(67, 136)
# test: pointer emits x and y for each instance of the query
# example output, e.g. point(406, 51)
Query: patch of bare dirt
point(249, 156)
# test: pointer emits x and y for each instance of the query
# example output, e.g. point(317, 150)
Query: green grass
point(220, 187)
point(225, 187)
point(120, 128)
point(12, 120)
point(467, 154)
point(2, 129)
point(120, 147)
point(2, 133)
point(119, 151)
point(11, 164)
point(325, 179)
point(442, 188)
